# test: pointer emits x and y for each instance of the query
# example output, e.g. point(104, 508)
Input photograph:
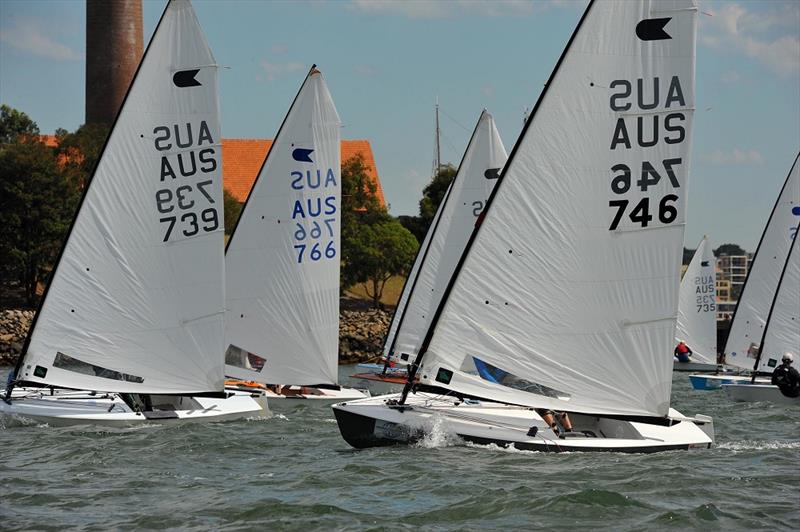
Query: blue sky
point(386, 63)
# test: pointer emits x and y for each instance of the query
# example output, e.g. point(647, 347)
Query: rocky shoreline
point(361, 334)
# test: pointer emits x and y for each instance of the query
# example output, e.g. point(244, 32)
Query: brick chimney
point(113, 50)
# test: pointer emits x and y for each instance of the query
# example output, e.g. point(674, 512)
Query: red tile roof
point(242, 159)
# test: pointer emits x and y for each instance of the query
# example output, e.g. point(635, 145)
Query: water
point(294, 472)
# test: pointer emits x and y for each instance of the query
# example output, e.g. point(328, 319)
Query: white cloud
point(733, 28)
point(279, 49)
point(440, 9)
point(29, 37)
point(276, 70)
point(365, 71)
point(736, 156)
point(488, 91)
point(731, 76)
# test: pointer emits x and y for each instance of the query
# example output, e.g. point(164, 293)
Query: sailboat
point(697, 311)
point(445, 241)
point(130, 327)
point(766, 318)
point(565, 297)
point(282, 261)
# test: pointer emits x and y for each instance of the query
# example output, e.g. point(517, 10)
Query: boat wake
point(758, 445)
point(439, 436)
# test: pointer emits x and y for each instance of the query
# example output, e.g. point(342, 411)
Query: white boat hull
point(715, 382)
point(68, 407)
point(758, 392)
point(372, 422)
point(292, 393)
point(694, 366)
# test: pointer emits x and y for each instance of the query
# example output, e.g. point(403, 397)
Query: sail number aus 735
point(643, 212)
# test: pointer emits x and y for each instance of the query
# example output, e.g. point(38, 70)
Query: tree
point(433, 193)
point(378, 251)
point(36, 207)
point(15, 125)
point(729, 250)
point(232, 211)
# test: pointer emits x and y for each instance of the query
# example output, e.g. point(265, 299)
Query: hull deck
point(372, 423)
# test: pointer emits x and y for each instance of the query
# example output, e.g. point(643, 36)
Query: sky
point(387, 62)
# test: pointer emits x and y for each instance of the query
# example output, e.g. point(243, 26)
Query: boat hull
point(758, 392)
point(374, 423)
point(694, 366)
point(715, 382)
point(68, 407)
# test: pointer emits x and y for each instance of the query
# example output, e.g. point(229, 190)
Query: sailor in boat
point(682, 352)
point(564, 424)
point(786, 377)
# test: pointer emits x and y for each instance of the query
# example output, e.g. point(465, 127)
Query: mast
point(772, 307)
point(412, 372)
point(437, 155)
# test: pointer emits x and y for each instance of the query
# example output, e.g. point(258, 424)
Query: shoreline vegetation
point(362, 328)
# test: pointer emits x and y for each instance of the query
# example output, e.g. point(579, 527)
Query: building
point(242, 160)
point(734, 268)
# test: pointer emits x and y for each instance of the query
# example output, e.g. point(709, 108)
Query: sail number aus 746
point(641, 212)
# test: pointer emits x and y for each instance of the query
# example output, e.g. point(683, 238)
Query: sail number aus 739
point(187, 207)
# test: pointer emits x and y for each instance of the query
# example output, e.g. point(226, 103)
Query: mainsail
point(136, 299)
point(697, 306)
point(445, 241)
point(567, 293)
point(782, 331)
point(282, 261)
point(759, 290)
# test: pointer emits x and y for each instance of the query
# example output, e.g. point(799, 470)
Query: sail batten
point(282, 262)
point(541, 307)
point(142, 260)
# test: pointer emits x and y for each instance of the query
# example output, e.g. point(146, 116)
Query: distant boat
point(697, 311)
point(130, 327)
point(565, 298)
point(765, 322)
point(282, 261)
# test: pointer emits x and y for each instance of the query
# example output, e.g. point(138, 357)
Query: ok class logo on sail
point(650, 112)
point(314, 213)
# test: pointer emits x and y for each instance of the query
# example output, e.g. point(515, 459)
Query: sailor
point(786, 377)
point(551, 417)
point(682, 351)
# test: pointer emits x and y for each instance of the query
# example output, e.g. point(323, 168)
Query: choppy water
point(294, 472)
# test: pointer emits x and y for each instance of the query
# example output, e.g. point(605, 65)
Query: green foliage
point(375, 246)
point(36, 207)
point(376, 252)
point(415, 225)
point(433, 193)
point(729, 250)
point(15, 125)
point(232, 211)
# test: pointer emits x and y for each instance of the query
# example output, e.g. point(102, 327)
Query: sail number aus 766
point(640, 213)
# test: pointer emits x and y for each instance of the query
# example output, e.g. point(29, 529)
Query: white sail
point(568, 293)
point(782, 334)
point(758, 292)
point(282, 261)
point(697, 306)
point(448, 235)
point(136, 301)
